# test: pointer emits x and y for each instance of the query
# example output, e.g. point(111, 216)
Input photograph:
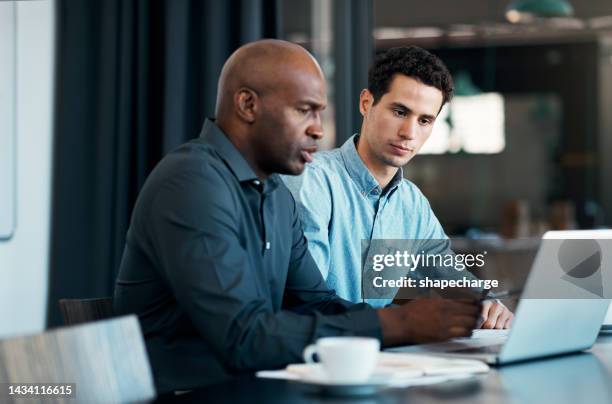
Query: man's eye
point(303, 111)
point(399, 113)
point(425, 121)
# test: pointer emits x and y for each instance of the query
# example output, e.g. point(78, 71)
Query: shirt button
point(267, 245)
point(256, 182)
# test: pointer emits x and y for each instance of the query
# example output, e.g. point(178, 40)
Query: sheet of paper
point(277, 374)
point(480, 333)
point(430, 365)
point(426, 380)
point(401, 369)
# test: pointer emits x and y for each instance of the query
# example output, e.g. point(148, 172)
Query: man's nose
point(409, 129)
point(315, 130)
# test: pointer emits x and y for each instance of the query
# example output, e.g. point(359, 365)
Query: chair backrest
point(77, 311)
point(106, 361)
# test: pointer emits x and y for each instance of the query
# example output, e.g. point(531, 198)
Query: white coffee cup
point(345, 359)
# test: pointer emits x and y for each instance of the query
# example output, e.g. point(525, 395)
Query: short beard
point(285, 169)
point(391, 162)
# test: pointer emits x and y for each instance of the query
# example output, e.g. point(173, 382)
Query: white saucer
point(321, 384)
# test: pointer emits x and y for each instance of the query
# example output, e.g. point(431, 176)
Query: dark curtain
point(134, 79)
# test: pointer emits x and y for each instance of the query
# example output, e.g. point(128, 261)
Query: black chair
point(77, 311)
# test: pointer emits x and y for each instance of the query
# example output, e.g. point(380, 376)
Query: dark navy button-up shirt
point(218, 271)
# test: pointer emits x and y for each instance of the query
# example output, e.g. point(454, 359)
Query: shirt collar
point(212, 135)
point(360, 173)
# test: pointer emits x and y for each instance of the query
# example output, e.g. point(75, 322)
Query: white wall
point(24, 259)
point(7, 118)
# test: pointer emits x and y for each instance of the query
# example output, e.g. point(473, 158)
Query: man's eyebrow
point(406, 109)
point(314, 103)
point(400, 106)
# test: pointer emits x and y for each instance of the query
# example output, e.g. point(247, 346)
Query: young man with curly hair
point(358, 191)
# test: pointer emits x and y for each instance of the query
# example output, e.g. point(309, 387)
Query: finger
point(501, 320)
point(484, 313)
point(508, 322)
point(504, 317)
point(494, 312)
point(486, 306)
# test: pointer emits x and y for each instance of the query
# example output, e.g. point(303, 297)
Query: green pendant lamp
point(528, 10)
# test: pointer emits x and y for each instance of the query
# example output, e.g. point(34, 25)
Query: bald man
point(216, 265)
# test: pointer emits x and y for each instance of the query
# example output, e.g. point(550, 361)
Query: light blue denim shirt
point(341, 203)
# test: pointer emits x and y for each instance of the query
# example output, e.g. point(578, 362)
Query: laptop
point(545, 326)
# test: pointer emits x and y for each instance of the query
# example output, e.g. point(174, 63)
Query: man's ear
point(366, 100)
point(246, 104)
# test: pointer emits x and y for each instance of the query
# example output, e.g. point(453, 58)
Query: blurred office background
point(94, 93)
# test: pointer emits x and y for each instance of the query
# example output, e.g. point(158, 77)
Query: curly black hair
point(413, 62)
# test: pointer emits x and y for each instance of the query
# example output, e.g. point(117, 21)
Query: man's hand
point(428, 320)
point(495, 315)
